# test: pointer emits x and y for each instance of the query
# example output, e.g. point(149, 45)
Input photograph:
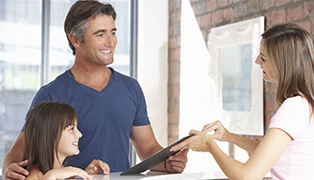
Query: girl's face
point(264, 61)
point(68, 144)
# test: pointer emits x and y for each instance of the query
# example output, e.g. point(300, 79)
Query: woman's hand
point(201, 141)
point(97, 167)
point(217, 131)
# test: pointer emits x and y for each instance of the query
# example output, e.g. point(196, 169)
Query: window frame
point(45, 50)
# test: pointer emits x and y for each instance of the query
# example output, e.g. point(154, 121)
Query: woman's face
point(264, 61)
point(68, 144)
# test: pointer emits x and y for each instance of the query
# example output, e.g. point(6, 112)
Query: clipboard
point(154, 159)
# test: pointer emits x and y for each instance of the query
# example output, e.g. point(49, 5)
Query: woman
point(51, 135)
point(286, 58)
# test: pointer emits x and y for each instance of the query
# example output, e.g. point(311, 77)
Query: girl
point(51, 135)
point(286, 58)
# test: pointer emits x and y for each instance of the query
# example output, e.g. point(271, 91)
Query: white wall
point(152, 62)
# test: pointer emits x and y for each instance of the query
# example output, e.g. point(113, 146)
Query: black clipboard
point(155, 159)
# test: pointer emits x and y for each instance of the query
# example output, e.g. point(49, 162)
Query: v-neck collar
point(92, 89)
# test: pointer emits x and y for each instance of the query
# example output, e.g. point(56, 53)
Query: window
point(19, 71)
point(34, 50)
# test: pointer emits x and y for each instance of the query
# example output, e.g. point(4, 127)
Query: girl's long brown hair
point(44, 125)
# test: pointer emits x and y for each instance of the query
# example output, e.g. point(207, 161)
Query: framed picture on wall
point(238, 80)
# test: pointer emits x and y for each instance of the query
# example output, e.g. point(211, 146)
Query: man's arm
point(12, 166)
point(145, 144)
point(144, 141)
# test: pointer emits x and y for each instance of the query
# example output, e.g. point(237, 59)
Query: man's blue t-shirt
point(105, 119)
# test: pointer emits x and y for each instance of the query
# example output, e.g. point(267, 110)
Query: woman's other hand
point(217, 131)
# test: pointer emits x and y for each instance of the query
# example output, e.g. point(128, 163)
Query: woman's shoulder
point(293, 116)
point(296, 102)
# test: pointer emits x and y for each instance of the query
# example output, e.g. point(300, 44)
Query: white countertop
point(150, 175)
point(162, 176)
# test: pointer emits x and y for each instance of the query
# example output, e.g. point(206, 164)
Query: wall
point(152, 62)
point(214, 13)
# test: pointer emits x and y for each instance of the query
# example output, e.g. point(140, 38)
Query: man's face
point(100, 40)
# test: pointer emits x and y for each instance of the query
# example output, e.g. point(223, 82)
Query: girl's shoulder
point(35, 173)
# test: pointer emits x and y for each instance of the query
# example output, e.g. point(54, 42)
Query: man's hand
point(177, 162)
point(16, 171)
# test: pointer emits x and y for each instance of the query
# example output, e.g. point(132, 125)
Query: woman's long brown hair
point(290, 48)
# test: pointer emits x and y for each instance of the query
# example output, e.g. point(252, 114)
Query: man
point(111, 106)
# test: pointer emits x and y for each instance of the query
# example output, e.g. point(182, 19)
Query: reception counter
point(162, 176)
